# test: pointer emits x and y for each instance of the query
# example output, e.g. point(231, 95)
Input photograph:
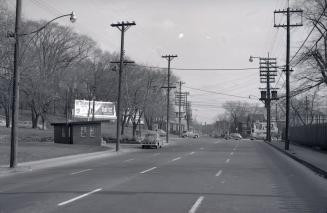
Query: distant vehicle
point(161, 132)
point(259, 130)
point(152, 140)
point(235, 136)
point(190, 134)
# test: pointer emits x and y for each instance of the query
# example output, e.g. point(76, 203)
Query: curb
point(60, 161)
point(312, 167)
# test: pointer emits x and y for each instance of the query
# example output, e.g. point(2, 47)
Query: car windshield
point(150, 136)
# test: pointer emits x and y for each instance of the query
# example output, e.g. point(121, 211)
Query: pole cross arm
point(124, 62)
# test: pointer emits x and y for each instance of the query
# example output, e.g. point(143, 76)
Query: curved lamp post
point(15, 95)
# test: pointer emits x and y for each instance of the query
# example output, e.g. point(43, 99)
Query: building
point(78, 132)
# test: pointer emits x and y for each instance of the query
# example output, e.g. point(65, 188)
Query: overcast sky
point(203, 33)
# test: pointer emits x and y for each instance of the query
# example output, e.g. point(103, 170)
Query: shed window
point(92, 131)
point(83, 131)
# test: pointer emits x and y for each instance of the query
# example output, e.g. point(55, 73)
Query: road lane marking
point(79, 197)
point(175, 159)
point(196, 205)
point(128, 160)
point(232, 153)
point(219, 173)
point(201, 148)
point(85, 170)
point(227, 161)
point(216, 142)
point(145, 171)
point(191, 153)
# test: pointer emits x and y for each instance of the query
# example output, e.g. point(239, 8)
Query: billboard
point(103, 110)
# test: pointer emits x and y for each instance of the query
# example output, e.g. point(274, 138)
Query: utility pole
point(179, 108)
point(169, 59)
point(268, 72)
point(123, 27)
point(288, 25)
point(180, 100)
point(15, 95)
point(187, 114)
point(306, 110)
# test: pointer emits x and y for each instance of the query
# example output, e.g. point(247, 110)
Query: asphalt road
point(195, 175)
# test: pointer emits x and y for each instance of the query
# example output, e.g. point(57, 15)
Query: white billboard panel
point(103, 110)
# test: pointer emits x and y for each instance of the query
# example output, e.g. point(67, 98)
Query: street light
point(15, 95)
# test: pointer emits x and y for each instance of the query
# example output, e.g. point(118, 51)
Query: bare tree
point(313, 59)
point(48, 56)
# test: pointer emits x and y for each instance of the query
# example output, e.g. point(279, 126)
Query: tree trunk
point(43, 122)
point(7, 115)
point(123, 124)
point(35, 119)
point(134, 130)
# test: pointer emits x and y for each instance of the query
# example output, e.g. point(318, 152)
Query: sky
point(205, 34)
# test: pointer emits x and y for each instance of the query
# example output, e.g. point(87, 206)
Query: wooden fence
point(310, 135)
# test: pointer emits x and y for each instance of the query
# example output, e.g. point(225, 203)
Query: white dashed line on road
point(227, 161)
point(128, 160)
point(219, 173)
point(175, 159)
point(196, 205)
point(85, 170)
point(232, 153)
point(148, 170)
point(79, 197)
point(191, 153)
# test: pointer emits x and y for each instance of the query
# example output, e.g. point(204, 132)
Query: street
point(195, 175)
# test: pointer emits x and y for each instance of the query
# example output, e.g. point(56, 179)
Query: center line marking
point(232, 153)
point(219, 173)
point(196, 205)
point(74, 173)
point(227, 161)
point(191, 153)
point(129, 160)
point(79, 197)
point(148, 170)
point(175, 159)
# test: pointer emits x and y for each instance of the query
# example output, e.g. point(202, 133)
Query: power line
point(218, 93)
point(201, 69)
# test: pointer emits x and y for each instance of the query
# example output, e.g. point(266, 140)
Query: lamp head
point(251, 59)
point(73, 17)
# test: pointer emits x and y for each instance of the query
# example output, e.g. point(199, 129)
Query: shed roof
point(72, 123)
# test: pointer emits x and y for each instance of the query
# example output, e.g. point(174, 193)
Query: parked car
point(152, 139)
point(235, 136)
point(161, 132)
point(190, 134)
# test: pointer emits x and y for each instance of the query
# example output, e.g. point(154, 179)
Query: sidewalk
point(76, 158)
point(314, 159)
